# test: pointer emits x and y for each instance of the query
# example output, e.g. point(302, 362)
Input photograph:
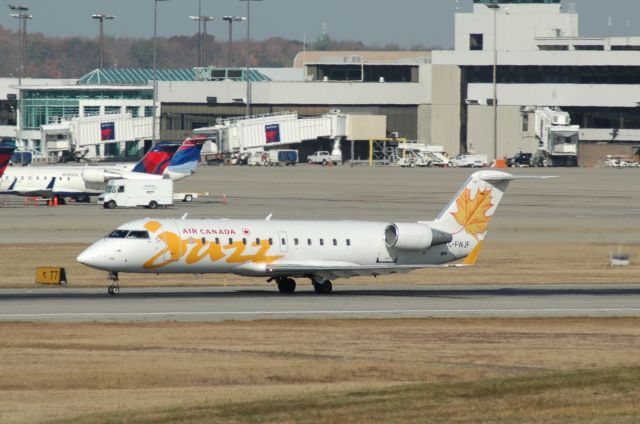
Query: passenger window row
point(283, 241)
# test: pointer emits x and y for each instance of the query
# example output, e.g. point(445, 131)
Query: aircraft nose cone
point(83, 257)
point(90, 257)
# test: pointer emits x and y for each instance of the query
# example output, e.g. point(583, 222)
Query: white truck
point(470, 161)
point(272, 157)
point(134, 193)
point(323, 157)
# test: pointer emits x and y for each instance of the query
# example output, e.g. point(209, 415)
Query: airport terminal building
point(441, 97)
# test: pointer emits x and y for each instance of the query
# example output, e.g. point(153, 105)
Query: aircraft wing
point(333, 270)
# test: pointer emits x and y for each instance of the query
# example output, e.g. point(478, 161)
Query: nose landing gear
point(114, 288)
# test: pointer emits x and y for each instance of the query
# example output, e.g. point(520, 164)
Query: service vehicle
point(272, 157)
point(150, 194)
point(470, 161)
point(520, 159)
point(323, 157)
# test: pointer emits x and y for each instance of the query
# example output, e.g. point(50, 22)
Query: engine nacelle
point(414, 236)
point(99, 175)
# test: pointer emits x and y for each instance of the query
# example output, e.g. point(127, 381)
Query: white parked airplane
point(167, 159)
point(318, 250)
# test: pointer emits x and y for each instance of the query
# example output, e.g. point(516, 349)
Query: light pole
point(199, 33)
point(248, 80)
point(101, 17)
point(231, 20)
point(155, 70)
point(494, 8)
point(197, 19)
point(205, 19)
point(21, 13)
point(202, 42)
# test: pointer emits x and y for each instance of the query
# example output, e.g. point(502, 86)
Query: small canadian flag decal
point(245, 231)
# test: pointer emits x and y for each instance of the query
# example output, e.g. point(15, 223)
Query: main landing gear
point(288, 285)
point(114, 288)
point(322, 287)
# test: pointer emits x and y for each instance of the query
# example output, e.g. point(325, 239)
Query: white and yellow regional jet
point(319, 250)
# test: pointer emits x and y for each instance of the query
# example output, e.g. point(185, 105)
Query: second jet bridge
point(284, 128)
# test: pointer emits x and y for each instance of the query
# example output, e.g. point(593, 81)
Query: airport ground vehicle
point(520, 159)
point(187, 196)
point(323, 157)
point(419, 154)
point(133, 193)
point(272, 157)
point(282, 250)
point(558, 140)
point(470, 161)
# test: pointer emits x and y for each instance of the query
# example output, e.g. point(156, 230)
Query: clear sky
point(405, 22)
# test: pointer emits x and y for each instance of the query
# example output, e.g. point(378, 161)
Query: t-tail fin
point(157, 159)
point(468, 214)
point(6, 151)
point(186, 159)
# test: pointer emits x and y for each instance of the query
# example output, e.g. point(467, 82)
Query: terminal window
point(476, 41)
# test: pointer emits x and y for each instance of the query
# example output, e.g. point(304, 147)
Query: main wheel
point(188, 198)
point(287, 285)
point(111, 204)
point(323, 288)
point(153, 204)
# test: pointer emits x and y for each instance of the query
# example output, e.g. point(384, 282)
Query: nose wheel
point(114, 288)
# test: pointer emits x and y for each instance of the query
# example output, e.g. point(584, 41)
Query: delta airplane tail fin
point(186, 158)
point(157, 159)
point(468, 214)
point(6, 151)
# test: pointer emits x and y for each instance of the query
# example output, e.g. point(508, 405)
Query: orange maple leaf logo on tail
point(472, 214)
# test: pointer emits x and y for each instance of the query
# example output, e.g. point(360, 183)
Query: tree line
point(72, 57)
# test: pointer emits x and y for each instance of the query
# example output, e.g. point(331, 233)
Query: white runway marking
point(320, 312)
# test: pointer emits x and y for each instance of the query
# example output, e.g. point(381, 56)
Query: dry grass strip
point(162, 372)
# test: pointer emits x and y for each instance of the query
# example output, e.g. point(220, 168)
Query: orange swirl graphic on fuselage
point(196, 250)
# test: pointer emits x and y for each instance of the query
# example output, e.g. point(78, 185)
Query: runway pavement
point(348, 301)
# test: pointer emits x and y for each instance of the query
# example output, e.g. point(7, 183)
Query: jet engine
point(414, 236)
point(99, 175)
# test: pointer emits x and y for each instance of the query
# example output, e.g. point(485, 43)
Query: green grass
point(582, 396)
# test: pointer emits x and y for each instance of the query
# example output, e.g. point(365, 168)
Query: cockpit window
point(118, 234)
point(138, 235)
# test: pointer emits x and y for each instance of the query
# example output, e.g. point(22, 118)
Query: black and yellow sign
point(50, 275)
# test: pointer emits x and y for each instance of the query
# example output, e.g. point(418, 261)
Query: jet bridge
point(236, 135)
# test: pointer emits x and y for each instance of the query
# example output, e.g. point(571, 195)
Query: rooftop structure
point(131, 76)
